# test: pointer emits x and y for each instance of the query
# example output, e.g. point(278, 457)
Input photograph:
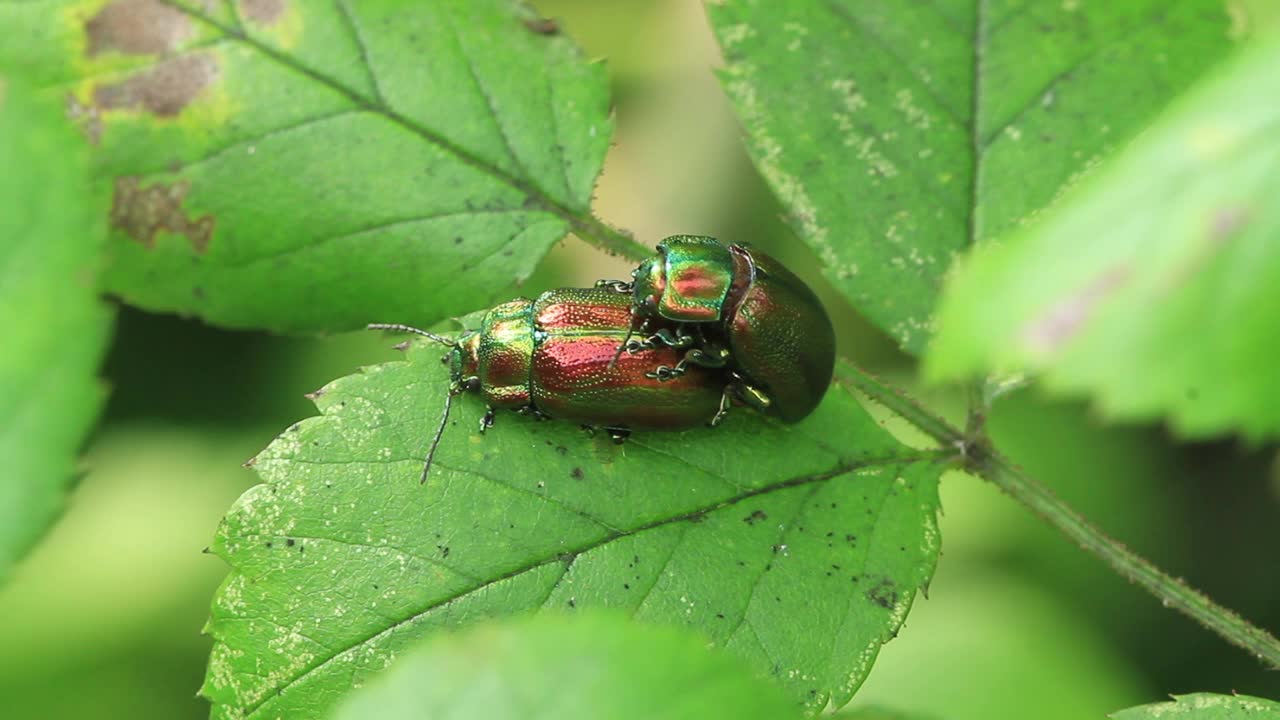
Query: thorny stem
point(975, 454)
point(592, 231)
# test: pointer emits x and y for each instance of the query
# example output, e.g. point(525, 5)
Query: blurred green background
point(103, 619)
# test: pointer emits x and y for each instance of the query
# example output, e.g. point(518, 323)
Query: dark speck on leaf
point(562, 450)
point(755, 517)
point(884, 594)
point(576, 473)
point(444, 550)
point(573, 603)
point(290, 542)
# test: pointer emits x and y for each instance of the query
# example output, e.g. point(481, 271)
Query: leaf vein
point(838, 470)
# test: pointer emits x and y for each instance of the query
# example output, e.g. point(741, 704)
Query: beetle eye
point(472, 384)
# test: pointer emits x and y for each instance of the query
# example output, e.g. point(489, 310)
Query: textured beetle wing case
point(574, 376)
point(504, 346)
point(781, 337)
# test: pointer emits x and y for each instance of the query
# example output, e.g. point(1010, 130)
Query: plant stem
point(975, 454)
point(1172, 592)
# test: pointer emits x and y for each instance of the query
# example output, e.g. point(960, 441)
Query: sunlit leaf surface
point(347, 161)
point(1204, 706)
point(1157, 287)
point(896, 135)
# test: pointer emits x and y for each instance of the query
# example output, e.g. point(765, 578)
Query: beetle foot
point(634, 346)
point(618, 435)
point(486, 421)
point(664, 373)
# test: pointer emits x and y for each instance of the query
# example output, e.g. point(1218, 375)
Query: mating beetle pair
point(700, 325)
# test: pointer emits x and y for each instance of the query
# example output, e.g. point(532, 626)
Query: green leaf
point(598, 666)
point(1204, 706)
point(875, 713)
point(54, 328)
point(1157, 287)
point(746, 533)
point(896, 135)
point(318, 166)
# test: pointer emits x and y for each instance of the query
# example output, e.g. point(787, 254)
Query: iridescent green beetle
point(737, 308)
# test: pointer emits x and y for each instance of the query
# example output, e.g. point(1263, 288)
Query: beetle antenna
point(631, 329)
point(406, 328)
point(435, 441)
point(614, 361)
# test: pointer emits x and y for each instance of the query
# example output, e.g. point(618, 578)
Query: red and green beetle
point(554, 356)
point(734, 307)
point(720, 322)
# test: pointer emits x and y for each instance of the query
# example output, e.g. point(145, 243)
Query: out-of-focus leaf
point(341, 558)
point(896, 135)
point(561, 668)
point(315, 166)
point(875, 713)
point(977, 625)
point(54, 329)
point(1205, 706)
point(1157, 287)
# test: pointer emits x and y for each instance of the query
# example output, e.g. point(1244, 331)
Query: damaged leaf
point(318, 166)
point(53, 326)
point(568, 668)
point(1156, 287)
point(897, 136)
point(341, 558)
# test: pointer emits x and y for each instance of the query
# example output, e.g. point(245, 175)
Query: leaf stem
point(594, 231)
point(975, 454)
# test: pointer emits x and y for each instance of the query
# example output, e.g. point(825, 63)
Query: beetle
point(736, 307)
point(554, 356)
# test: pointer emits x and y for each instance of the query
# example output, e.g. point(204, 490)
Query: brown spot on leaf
point(137, 27)
point(263, 12)
point(143, 212)
point(164, 89)
point(1060, 323)
point(542, 26)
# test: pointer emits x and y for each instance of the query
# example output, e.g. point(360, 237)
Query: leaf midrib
point(374, 105)
point(569, 556)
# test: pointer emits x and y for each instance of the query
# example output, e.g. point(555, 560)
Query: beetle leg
point(663, 373)
point(725, 400)
point(715, 358)
point(486, 422)
point(679, 339)
point(618, 435)
point(750, 394)
point(618, 286)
